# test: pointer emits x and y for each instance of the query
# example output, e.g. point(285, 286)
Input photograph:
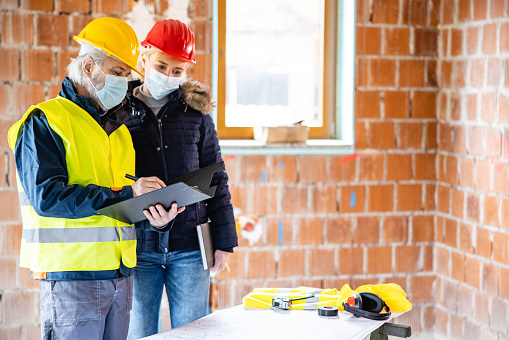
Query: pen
point(134, 178)
point(226, 264)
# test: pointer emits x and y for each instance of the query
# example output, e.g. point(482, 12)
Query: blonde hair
point(148, 53)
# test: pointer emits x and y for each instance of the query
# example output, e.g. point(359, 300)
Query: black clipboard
point(196, 189)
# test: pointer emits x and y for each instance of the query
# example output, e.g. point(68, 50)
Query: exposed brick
point(409, 197)
point(116, 7)
point(464, 13)
point(429, 198)
point(313, 169)
point(283, 169)
point(425, 167)
point(466, 301)
point(483, 175)
point(444, 195)
point(38, 65)
point(10, 65)
point(254, 169)
point(472, 272)
point(63, 60)
point(55, 30)
point(422, 290)
point(483, 244)
point(367, 104)
point(446, 74)
point(240, 198)
point(338, 230)
point(423, 228)
point(503, 287)
point(308, 231)
point(500, 178)
point(265, 200)
point(325, 199)
point(457, 203)
point(380, 198)
point(426, 42)
point(202, 30)
point(399, 167)
point(321, 262)
point(382, 72)
point(431, 73)
point(341, 170)
point(261, 265)
point(279, 229)
point(38, 5)
point(480, 10)
point(362, 67)
point(465, 240)
point(202, 71)
point(367, 230)
point(396, 104)
point(350, 261)
point(410, 136)
point(490, 277)
point(411, 73)
point(418, 12)
point(381, 135)
point(431, 135)
point(353, 199)
point(458, 267)
point(489, 41)
point(294, 200)
point(491, 205)
point(477, 72)
point(407, 259)
point(424, 105)
point(385, 11)
point(26, 96)
point(456, 42)
point(450, 232)
point(395, 229)
point(397, 41)
point(78, 23)
point(481, 310)
point(10, 205)
point(17, 29)
point(498, 319)
point(291, 263)
point(447, 9)
point(500, 247)
point(360, 136)
point(368, 40)
point(20, 308)
point(473, 208)
point(505, 213)
point(378, 260)
point(472, 40)
point(69, 6)
point(504, 37)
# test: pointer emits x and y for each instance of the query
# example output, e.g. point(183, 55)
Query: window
point(278, 62)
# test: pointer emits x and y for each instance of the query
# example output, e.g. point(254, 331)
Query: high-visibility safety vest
point(393, 295)
point(86, 244)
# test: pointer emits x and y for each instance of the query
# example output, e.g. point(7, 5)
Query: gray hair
point(74, 69)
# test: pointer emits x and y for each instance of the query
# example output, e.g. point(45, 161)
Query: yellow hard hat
point(113, 36)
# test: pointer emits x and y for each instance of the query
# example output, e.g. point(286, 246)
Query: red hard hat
point(172, 37)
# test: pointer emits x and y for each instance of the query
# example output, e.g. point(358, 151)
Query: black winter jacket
point(182, 138)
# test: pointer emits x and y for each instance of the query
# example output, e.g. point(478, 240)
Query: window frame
point(338, 134)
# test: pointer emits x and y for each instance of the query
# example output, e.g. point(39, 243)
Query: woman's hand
point(220, 258)
point(159, 217)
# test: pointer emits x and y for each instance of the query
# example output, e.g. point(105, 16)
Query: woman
point(173, 134)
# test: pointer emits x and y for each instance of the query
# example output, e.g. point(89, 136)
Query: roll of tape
point(328, 311)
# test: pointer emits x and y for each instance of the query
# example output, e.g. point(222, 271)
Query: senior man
point(72, 154)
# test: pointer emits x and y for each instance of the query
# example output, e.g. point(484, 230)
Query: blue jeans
point(187, 287)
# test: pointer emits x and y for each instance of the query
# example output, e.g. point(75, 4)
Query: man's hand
point(159, 217)
point(147, 184)
point(220, 258)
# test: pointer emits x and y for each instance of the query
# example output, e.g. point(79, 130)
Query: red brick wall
point(35, 47)
point(423, 205)
point(472, 230)
point(386, 232)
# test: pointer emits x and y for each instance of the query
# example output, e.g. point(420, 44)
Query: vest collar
point(86, 103)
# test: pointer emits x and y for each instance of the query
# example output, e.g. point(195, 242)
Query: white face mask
point(113, 91)
point(160, 85)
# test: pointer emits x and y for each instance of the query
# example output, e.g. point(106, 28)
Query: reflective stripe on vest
point(66, 235)
point(93, 243)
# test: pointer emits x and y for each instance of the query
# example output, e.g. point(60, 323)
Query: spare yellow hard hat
point(113, 36)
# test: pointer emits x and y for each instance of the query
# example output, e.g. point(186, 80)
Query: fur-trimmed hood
point(197, 96)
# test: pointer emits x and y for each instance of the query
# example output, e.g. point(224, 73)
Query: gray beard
point(99, 84)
